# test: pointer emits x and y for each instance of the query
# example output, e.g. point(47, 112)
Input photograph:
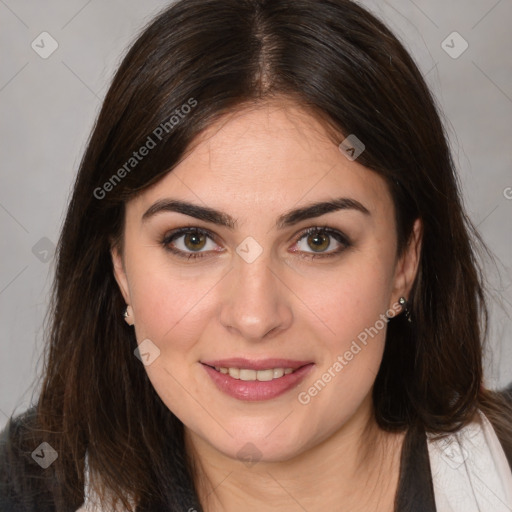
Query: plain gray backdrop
point(49, 102)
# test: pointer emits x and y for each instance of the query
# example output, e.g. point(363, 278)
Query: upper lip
point(260, 364)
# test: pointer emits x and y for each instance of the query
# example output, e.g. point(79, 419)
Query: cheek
point(353, 334)
point(352, 300)
point(169, 301)
point(172, 310)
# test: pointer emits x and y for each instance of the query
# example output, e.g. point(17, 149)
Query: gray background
point(48, 107)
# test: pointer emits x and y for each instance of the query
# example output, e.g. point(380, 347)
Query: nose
point(255, 301)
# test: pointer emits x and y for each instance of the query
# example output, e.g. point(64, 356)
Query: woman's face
point(253, 294)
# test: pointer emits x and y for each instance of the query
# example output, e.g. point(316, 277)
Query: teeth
point(278, 372)
point(234, 372)
point(247, 374)
point(250, 375)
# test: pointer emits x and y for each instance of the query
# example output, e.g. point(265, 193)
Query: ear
point(407, 265)
point(120, 272)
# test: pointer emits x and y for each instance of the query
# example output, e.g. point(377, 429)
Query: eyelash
point(337, 235)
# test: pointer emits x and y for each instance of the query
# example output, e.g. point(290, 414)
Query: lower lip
point(255, 390)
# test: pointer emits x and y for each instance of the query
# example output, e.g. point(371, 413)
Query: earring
point(128, 314)
point(405, 306)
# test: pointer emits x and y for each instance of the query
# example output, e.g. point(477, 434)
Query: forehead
point(267, 157)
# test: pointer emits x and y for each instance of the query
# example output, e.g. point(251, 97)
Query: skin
point(255, 165)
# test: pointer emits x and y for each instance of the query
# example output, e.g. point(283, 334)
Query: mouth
point(248, 375)
point(256, 380)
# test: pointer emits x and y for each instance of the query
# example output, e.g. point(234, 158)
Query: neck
point(357, 466)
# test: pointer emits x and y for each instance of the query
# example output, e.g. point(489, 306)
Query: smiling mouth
point(251, 380)
point(247, 374)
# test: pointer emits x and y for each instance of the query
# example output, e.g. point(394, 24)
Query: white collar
point(91, 499)
point(470, 470)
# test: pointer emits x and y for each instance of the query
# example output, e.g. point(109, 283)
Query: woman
point(266, 295)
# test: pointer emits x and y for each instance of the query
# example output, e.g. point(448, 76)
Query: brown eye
point(194, 241)
point(189, 242)
point(318, 241)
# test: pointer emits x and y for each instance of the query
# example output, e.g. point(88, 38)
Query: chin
point(263, 445)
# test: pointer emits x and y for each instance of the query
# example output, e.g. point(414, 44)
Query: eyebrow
point(223, 219)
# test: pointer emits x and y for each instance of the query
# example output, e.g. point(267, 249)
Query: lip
point(261, 364)
point(252, 391)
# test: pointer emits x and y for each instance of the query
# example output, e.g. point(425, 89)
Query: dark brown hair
point(340, 63)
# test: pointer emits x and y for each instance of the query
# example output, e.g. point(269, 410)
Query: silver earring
point(128, 315)
point(405, 306)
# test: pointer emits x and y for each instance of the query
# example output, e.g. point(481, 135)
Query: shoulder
point(23, 482)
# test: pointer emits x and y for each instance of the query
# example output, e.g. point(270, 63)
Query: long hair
point(195, 62)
